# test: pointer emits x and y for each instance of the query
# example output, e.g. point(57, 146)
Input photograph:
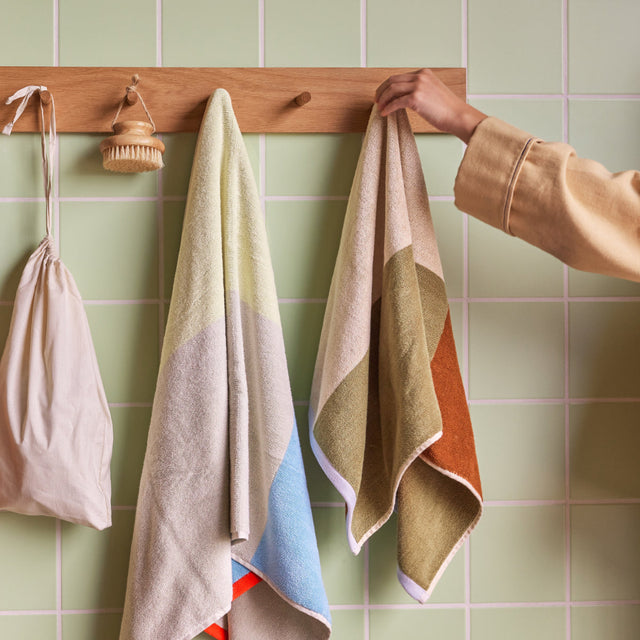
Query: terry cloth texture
point(223, 510)
point(388, 415)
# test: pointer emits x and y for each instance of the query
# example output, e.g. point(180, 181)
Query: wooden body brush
point(132, 149)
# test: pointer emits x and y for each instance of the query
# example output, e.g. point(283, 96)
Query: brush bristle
point(132, 158)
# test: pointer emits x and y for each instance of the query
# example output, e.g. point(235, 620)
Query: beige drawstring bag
point(55, 429)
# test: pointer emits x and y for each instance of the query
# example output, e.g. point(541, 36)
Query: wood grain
point(86, 98)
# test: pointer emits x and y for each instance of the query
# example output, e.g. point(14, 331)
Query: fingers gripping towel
point(388, 416)
point(223, 524)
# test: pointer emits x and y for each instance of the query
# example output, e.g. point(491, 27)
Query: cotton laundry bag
point(56, 434)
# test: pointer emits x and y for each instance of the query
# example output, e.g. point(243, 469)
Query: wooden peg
point(132, 96)
point(302, 99)
point(45, 97)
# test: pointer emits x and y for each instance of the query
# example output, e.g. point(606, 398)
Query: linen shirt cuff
point(489, 171)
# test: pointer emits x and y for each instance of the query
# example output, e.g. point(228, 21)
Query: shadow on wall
point(604, 447)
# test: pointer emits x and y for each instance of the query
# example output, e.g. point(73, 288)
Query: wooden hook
point(45, 97)
point(132, 96)
point(302, 99)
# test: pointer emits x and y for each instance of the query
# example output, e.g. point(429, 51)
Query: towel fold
point(223, 524)
point(388, 416)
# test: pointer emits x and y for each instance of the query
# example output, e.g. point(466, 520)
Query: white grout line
point(305, 198)
point(261, 34)
point(59, 579)
point(158, 33)
point(366, 575)
point(562, 401)
point(565, 291)
point(553, 96)
point(363, 33)
point(56, 33)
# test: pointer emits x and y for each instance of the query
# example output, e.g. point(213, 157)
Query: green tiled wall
point(549, 355)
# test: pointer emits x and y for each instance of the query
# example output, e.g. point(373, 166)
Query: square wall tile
point(301, 325)
point(82, 173)
point(541, 118)
point(303, 33)
point(172, 218)
point(23, 227)
point(179, 149)
point(604, 351)
point(118, 33)
point(201, 33)
point(608, 144)
point(111, 248)
point(21, 164)
point(586, 284)
point(34, 626)
point(605, 439)
point(347, 624)
point(304, 237)
point(28, 556)
point(97, 626)
point(414, 34)
point(516, 349)
point(342, 572)
point(612, 622)
point(95, 564)
point(510, 441)
point(130, 429)
point(515, 47)
point(416, 624)
point(26, 33)
point(501, 266)
point(518, 555)
point(440, 156)
point(603, 47)
point(448, 225)
point(320, 488)
point(532, 623)
point(125, 337)
point(290, 171)
point(605, 560)
point(5, 323)
point(384, 587)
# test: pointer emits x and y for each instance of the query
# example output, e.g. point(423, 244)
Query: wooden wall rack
point(264, 99)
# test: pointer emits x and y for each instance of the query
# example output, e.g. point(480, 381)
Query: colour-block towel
point(388, 416)
point(223, 524)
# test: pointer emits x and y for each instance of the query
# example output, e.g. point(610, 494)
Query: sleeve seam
point(512, 184)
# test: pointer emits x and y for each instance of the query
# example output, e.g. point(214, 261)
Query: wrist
point(466, 122)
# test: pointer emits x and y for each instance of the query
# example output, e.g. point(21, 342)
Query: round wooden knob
point(45, 97)
point(302, 99)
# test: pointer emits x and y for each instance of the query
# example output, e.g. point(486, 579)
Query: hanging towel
point(388, 416)
point(223, 523)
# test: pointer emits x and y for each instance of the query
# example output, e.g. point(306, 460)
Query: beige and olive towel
point(389, 419)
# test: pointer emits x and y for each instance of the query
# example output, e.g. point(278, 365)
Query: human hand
point(423, 92)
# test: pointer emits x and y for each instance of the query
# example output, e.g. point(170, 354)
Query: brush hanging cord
point(132, 89)
point(132, 149)
point(48, 150)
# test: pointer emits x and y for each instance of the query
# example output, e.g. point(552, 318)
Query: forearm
point(543, 193)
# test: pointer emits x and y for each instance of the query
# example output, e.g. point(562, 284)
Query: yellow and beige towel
point(388, 417)
point(223, 539)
